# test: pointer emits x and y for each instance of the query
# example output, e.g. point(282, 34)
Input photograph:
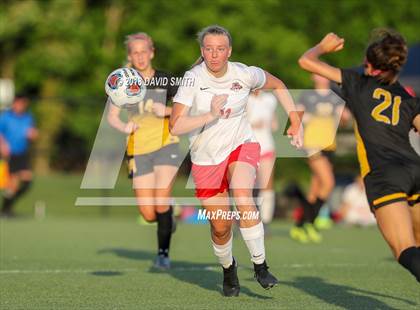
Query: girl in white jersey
point(211, 107)
point(261, 111)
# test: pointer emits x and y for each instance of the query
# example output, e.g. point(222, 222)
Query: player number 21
point(386, 96)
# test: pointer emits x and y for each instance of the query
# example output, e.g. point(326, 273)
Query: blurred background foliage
point(60, 51)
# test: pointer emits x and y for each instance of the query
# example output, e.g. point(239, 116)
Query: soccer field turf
point(80, 263)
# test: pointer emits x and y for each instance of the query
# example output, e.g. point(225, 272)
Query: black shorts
point(19, 162)
point(392, 183)
point(168, 155)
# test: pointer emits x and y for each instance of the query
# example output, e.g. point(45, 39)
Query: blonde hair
point(137, 37)
point(213, 29)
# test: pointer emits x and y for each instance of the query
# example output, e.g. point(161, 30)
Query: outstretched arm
point(280, 90)
point(310, 61)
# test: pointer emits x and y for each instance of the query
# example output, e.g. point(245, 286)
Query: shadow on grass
point(206, 276)
point(343, 296)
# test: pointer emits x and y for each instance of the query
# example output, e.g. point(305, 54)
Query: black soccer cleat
point(264, 277)
point(230, 280)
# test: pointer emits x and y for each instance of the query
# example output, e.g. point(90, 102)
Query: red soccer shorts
point(213, 179)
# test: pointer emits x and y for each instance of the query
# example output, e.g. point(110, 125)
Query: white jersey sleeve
point(257, 77)
point(187, 90)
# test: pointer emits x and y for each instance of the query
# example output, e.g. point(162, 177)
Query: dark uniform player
point(384, 113)
point(153, 144)
point(322, 113)
point(153, 156)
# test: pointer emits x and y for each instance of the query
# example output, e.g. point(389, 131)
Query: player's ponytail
point(197, 62)
point(387, 53)
point(213, 29)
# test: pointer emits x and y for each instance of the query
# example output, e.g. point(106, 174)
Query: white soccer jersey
point(213, 143)
point(261, 111)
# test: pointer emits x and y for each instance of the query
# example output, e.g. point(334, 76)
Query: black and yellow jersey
point(153, 132)
point(322, 115)
point(384, 115)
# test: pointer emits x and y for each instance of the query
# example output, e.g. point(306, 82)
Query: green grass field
point(77, 259)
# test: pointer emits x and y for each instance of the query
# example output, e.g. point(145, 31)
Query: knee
point(221, 232)
point(148, 213)
point(243, 197)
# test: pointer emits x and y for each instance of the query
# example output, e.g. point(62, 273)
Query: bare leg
point(323, 171)
point(144, 190)
point(415, 216)
point(394, 221)
point(266, 194)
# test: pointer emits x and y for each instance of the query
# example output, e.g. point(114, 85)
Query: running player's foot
point(230, 280)
point(323, 223)
point(7, 214)
point(313, 234)
point(264, 277)
point(299, 234)
point(162, 262)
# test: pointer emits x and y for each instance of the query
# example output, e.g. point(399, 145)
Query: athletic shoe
point(230, 280)
point(323, 223)
point(299, 234)
point(162, 262)
point(313, 234)
point(7, 214)
point(263, 276)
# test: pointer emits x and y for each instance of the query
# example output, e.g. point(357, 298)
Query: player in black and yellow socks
point(323, 109)
point(152, 152)
point(384, 113)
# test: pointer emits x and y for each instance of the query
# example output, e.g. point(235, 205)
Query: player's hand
point(32, 134)
point(217, 103)
point(130, 127)
point(296, 135)
point(159, 109)
point(295, 131)
point(331, 43)
point(4, 150)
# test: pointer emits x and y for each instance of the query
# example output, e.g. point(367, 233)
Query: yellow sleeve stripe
point(389, 197)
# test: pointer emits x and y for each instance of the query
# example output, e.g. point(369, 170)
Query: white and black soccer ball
point(125, 87)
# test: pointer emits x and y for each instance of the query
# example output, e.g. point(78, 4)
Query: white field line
point(208, 268)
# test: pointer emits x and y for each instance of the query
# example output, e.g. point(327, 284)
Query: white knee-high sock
point(224, 252)
point(267, 205)
point(254, 240)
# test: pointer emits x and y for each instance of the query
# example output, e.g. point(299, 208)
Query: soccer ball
point(125, 87)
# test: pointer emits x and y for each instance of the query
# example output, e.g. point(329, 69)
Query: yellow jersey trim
point(361, 153)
